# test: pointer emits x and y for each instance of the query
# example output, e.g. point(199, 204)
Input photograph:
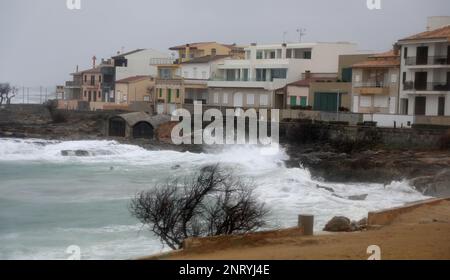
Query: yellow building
point(135, 89)
point(169, 88)
point(194, 50)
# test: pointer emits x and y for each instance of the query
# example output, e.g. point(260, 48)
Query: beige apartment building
point(376, 84)
point(190, 51)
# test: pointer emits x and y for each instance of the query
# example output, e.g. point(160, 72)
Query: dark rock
point(81, 153)
point(176, 167)
point(325, 188)
point(358, 197)
point(438, 185)
point(339, 224)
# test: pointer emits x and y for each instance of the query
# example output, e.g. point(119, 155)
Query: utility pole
point(301, 32)
point(40, 94)
point(23, 95)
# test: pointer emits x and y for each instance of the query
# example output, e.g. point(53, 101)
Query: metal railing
point(370, 85)
point(432, 86)
point(429, 60)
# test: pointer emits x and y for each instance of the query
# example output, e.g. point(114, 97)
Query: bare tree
point(7, 93)
point(210, 204)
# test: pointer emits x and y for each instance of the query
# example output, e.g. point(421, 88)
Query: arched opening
point(143, 130)
point(238, 99)
point(117, 127)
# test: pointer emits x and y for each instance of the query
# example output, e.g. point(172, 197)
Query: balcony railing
point(73, 84)
point(370, 85)
point(429, 60)
point(432, 86)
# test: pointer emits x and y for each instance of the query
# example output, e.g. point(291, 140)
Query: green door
point(169, 96)
point(326, 101)
point(293, 101)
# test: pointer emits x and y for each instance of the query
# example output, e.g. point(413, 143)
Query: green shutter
point(178, 93)
point(170, 95)
point(303, 101)
point(160, 93)
point(293, 100)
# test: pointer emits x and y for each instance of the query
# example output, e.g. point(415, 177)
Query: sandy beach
point(423, 233)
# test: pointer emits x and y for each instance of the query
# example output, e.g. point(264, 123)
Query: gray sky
point(42, 41)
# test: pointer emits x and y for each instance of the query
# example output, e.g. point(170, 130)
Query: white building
point(137, 63)
point(196, 73)
point(425, 70)
point(254, 82)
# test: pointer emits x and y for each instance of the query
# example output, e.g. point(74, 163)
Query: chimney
point(187, 52)
point(76, 69)
point(307, 75)
point(94, 59)
point(283, 50)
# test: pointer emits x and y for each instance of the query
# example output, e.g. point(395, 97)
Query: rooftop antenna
point(301, 32)
point(284, 36)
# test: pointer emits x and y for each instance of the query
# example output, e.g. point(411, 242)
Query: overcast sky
point(41, 42)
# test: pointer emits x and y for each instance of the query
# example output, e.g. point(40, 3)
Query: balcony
point(430, 60)
point(247, 83)
point(432, 86)
point(376, 88)
point(73, 84)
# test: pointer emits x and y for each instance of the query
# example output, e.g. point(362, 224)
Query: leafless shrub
point(210, 204)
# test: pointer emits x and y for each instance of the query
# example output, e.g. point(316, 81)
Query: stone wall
point(390, 137)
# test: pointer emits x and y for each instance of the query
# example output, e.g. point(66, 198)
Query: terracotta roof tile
point(440, 33)
point(132, 79)
point(381, 60)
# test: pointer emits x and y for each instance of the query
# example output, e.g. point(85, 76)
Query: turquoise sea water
point(49, 202)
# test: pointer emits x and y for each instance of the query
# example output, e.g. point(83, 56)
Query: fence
point(34, 94)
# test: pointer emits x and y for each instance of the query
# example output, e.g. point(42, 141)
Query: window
point(216, 97)
point(178, 93)
point(99, 79)
point(85, 93)
point(393, 78)
point(347, 75)
point(404, 78)
point(405, 53)
point(92, 80)
point(307, 55)
point(85, 78)
point(245, 74)
point(259, 55)
point(303, 101)
point(357, 78)
point(381, 101)
point(293, 101)
point(213, 52)
point(289, 53)
point(250, 99)
point(272, 55)
point(366, 101)
point(263, 100)
point(278, 74)
point(225, 98)
point(261, 75)
point(160, 93)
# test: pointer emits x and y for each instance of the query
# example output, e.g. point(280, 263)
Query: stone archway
point(143, 130)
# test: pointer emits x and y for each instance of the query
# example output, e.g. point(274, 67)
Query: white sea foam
point(50, 201)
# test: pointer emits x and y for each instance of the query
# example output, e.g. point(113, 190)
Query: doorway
point(420, 105)
point(422, 56)
point(420, 80)
point(441, 106)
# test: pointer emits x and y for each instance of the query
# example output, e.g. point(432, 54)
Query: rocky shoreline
point(427, 170)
